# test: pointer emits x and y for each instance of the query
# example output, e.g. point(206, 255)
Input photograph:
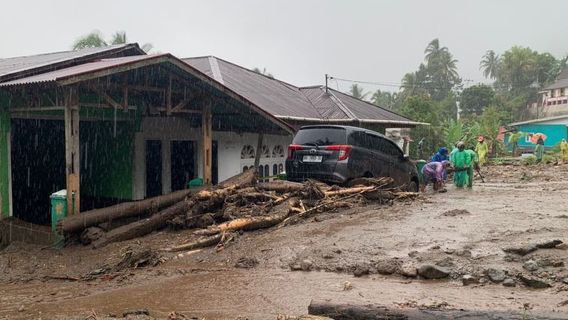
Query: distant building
point(554, 97)
point(555, 129)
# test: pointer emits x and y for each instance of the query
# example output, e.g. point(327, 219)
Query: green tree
point(518, 69)
point(423, 109)
point(91, 40)
point(357, 92)
point(490, 64)
point(441, 68)
point(95, 40)
point(475, 98)
point(452, 132)
point(384, 99)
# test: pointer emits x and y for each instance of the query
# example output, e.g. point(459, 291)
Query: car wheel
point(412, 186)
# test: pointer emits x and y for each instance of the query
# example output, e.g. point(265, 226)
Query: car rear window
point(320, 136)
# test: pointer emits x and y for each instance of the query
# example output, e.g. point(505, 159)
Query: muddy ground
point(360, 255)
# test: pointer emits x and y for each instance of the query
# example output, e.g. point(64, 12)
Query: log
point(90, 218)
point(345, 311)
point(199, 243)
point(145, 226)
point(253, 223)
point(245, 179)
point(281, 186)
point(347, 191)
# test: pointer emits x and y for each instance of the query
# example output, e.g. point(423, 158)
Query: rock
point(509, 282)
point(361, 270)
point(306, 265)
point(469, 279)
point(430, 271)
point(548, 244)
point(408, 270)
point(246, 263)
point(387, 266)
point(495, 275)
point(347, 286)
point(21, 308)
point(565, 280)
point(533, 282)
point(295, 266)
point(531, 265)
point(338, 251)
point(463, 253)
point(523, 250)
point(140, 312)
point(413, 253)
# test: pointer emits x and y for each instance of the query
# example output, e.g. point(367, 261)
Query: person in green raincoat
point(475, 165)
point(461, 161)
point(539, 150)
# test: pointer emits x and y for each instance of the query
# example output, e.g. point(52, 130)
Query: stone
point(21, 308)
point(532, 282)
point(550, 244)
point(295, 266)
point(469, 279)
point(495, 275)
point(413, 253)
point(509, 283)
point(361, 270)
point(387, 266)
point(408, 270)
point(565, 280)
point(531, 265)
point(306, 265)
point(522, 250)
point(463, 253)
point(430, 271)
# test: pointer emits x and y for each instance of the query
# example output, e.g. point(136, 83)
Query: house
point(299, 106)
point(554, 97)
point(554, 128)
point(114, 124)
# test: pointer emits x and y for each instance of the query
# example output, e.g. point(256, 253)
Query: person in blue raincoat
point(442, 155)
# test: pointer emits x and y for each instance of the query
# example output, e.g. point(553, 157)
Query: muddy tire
point(412, 186)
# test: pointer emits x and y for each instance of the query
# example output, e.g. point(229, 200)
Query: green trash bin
point(58, 212)
point(419, 165)
point(195, 183)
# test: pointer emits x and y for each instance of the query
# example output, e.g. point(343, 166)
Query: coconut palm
point(490, 64)
point(433, 50)
point(263, 72)
point(91, 40)
point(118, 37)
point(357, 92)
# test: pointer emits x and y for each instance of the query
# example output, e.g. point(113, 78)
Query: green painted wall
point(4, 161)
point(106, 164)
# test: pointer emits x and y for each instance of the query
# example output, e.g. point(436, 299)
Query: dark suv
point(338, 154)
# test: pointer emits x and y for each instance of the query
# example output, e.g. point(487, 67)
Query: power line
point(398, 84)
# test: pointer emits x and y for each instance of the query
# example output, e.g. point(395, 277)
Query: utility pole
point(326, 82)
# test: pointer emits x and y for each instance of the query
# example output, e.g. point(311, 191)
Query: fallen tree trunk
point(280, 213)
point(145, 226)
point(345, 311)
point(199, 243)
point(128, 209)
point(281, 186)
point(354, 190)
point(245, 179)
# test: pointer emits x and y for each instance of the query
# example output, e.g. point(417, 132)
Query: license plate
point(312, 158)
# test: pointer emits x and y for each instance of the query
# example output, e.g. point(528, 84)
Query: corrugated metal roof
point(290, 102)
point(559, 84)
point(276, 97)
point(61, 74)
point(25, 65)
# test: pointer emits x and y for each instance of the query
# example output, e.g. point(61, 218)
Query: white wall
point(229, 146)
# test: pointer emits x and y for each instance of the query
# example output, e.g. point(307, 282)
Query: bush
point(548, 159)
point(529, 161)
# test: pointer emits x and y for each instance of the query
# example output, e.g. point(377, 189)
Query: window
point(274, 169)
point(320, 136)
point(265, 152)
point(247, 152)
point(359, 139)
point(278, 151)
point(261, 171)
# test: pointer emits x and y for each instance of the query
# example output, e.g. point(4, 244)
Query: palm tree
point(433, 50)
point(91, 40)
point(95, 40)
point(490, 64)
point(357, 92)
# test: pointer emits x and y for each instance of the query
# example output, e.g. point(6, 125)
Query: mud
point(462, 231)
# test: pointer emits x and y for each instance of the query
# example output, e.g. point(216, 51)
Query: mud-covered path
point(463, 231)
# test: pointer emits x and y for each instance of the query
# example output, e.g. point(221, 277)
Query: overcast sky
point(298, 40)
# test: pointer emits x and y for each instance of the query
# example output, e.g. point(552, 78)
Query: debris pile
point(237, 204)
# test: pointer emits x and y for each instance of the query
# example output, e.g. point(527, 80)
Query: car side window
point(358, 139)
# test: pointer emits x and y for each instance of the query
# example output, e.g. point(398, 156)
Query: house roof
point(539, 120)
point(561, 81)
point(290, 102)
point(18, 67)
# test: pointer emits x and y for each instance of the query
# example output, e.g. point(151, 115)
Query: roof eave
point(369, 121)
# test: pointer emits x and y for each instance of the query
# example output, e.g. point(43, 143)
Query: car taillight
point(344, 150)
point(291, 149)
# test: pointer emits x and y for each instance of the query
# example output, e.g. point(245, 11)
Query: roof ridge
point(341, 106)
point(114, 46)
point(372, 104)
